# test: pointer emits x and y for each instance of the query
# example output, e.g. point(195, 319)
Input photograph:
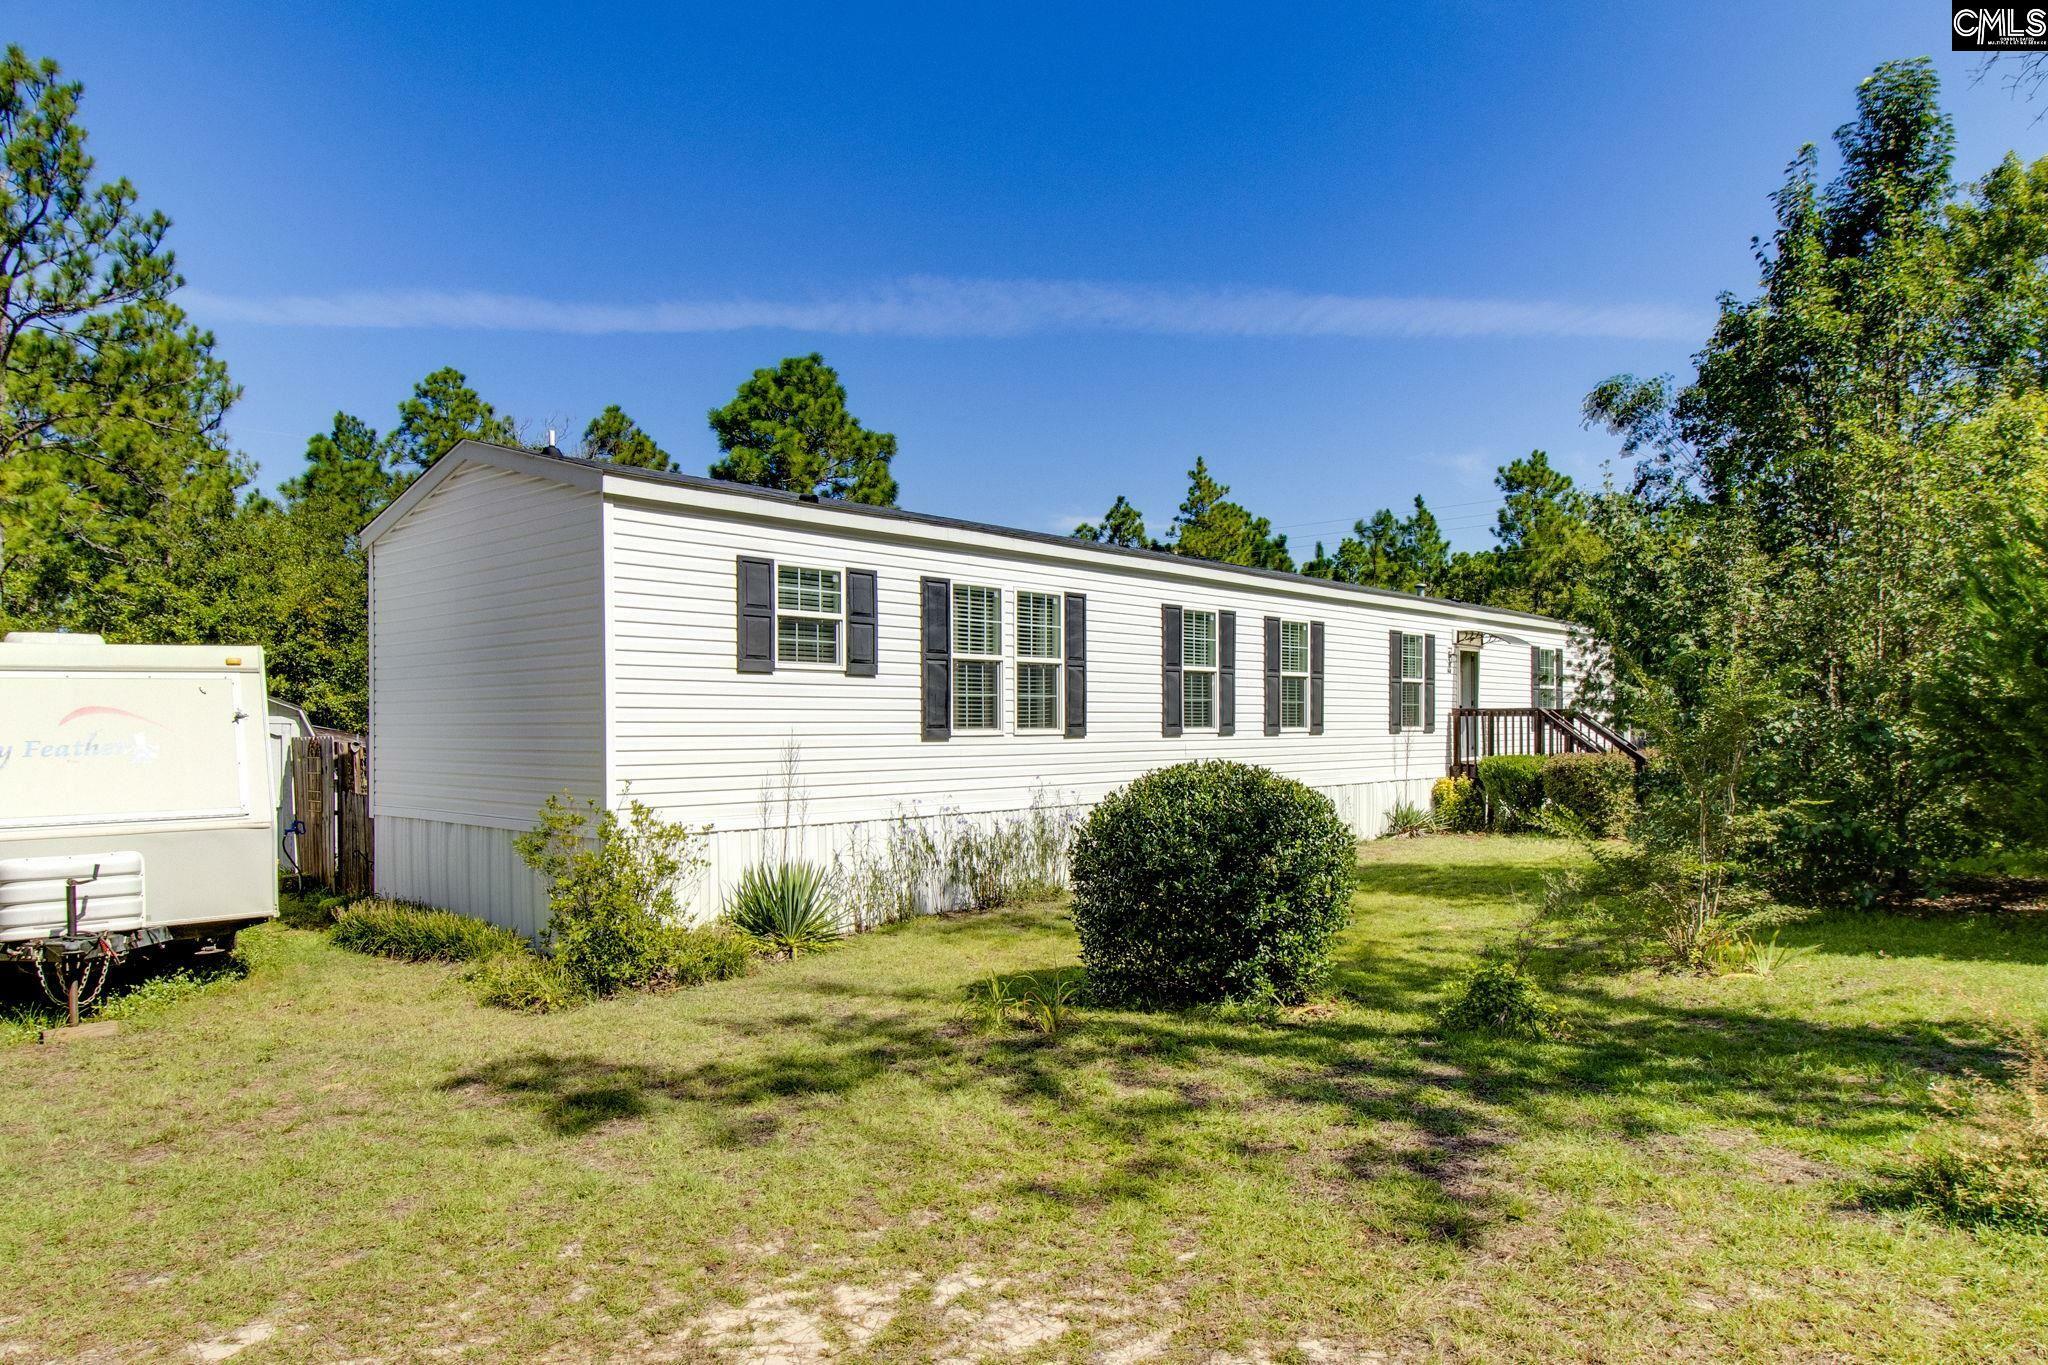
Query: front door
point(1468, 695)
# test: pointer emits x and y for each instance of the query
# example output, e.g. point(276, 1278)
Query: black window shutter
point(1226, 673)
point(1429, 684)
point(1535, 675)
point(1272, 675)
point(756, 591)
point(860, 623)
point(1394, 682)
point(1315, 677)
point(936, 595)
point(1076, 621)
point(1169, 672)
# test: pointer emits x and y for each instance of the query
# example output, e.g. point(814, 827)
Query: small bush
point(690, 957)
point(1513, 784)
point(1408, 820)
point(1457, 804)
point(1990, 1166)
point(1499, 998)
point(526, 982)
point(613, 911)
point(785, 907)
point(419, 933)
point(1209, 881)
point(1597, 790)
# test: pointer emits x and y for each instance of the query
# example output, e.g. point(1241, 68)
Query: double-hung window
point(809, 611)
point(977, 657)
point(1411, 681)
point(1038, 661)
point(1294, 675)
point(1198, 670)
point(1550, 678)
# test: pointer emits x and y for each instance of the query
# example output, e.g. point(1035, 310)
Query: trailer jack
point(65, 963)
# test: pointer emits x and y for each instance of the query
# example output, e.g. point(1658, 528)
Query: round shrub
point(1457, 805)
point(1209, 881)
point(1513, 784)
point(1598, 790)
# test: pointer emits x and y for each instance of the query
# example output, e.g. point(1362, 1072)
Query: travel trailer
point(137, 806)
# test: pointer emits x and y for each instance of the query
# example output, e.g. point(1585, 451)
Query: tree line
point(1840, 508)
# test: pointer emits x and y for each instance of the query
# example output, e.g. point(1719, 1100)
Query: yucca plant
point(1407, 820)
point(785, 907)
point(1755, 956)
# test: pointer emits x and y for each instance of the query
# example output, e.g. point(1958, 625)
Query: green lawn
point(346, 1157)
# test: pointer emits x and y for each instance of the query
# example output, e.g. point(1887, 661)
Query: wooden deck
point(1482, 731)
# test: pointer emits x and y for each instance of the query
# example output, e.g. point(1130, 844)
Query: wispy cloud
point(938, 307)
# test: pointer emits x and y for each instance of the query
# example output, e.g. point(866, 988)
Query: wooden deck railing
point(1482, 731)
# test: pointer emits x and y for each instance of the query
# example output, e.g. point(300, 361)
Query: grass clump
point(1989, 1166)
point(1048, 1003)
point(526, 983)
point(1500, 998)
point(419, 933)
point(308, 907)
point(786, 908)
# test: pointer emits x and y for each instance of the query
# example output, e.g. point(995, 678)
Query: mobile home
point(540, 624)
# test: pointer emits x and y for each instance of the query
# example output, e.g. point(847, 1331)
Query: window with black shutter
point(755, 584)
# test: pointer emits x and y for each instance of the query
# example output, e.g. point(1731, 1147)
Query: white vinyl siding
point(526, 637)
point(487, 684)
point(1294, 675)
point(977, 657)
point(808, 612)
point(1198, 670)
point(1039, 644)
point(1412, 680)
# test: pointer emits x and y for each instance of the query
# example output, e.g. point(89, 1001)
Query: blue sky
point(1348, 254)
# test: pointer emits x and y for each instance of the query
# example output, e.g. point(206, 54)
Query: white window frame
point(1055, 661)
point(1190, 670)
point(1419, 680)
point(837, 620)
point(1556, 685)
point(1288, 675)
point(994, 661)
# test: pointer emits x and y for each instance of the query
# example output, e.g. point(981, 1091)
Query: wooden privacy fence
point(331, 798)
